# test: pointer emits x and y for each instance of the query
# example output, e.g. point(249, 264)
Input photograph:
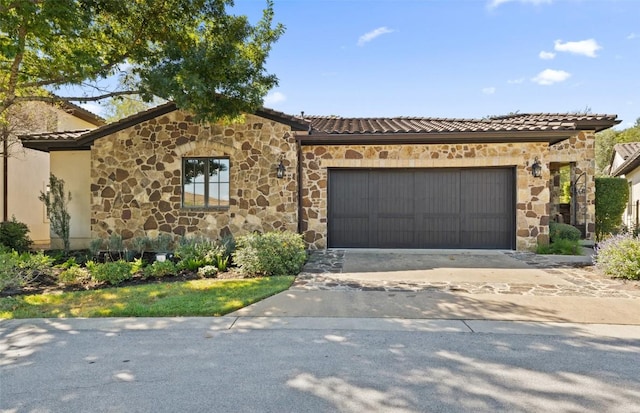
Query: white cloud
point(273, 98)
point(550, 76)
point(587, 47)
point(546, 55)
point(367, 37)
point(516, 81)
point(489, 90)
point(632, 36)
point(495, 3)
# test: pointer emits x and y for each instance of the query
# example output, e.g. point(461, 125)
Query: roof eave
point(551, 137)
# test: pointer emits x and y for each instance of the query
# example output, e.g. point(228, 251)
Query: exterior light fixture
point(536, 168)
point(280, 169)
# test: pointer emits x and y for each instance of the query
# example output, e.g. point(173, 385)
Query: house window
point(205, 182)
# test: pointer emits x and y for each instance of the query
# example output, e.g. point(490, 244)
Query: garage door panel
point(422, 208)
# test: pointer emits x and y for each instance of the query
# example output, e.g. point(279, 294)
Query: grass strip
point(207, 297)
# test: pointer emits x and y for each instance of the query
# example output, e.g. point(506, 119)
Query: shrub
point(560, 247)
point(74, 275)
point(193, 253)
point(160, 269)
point(113, 272)
point(619, 256)
point(559, 231)
point(611, 200)
point(18, 270)
point(13, 235)
point(208, 271)
point(273, 253)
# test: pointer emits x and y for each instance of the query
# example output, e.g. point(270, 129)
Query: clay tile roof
point(55, 136)
point(516, 122)
point(630, 152)
point(627, 149)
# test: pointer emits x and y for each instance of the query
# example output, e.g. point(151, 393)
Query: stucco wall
point(72, 167)
point(532, 194)
point(136, 178)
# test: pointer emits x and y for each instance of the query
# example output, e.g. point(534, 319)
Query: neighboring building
point(26, 174)
point(625, 163)
point(346, 182)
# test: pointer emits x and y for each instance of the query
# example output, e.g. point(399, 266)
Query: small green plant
point(559, 231)
point(619, 256)
point(273, 253)
point(13, 235)
point(113, 272)
point(560, 247)
point(208, 271)
point(141, 244)
point(162, 243)
point(95, 246)
point(193, 253)
point(74, 275)
point(137, 265)
point(160, 269)
point(19, 270)
point(57, 204)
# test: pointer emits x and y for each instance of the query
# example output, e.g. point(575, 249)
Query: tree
point(57, 203)
point(193, 52)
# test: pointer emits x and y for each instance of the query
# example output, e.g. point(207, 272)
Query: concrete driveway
point(452, 285)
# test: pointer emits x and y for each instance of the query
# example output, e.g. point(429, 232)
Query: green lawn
point(207, 297)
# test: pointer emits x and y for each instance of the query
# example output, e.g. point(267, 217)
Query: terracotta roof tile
point(517, 122)
point(627, 149)
point(55, 136)
point(630, 152)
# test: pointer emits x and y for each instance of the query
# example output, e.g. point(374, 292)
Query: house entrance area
point(422, 208)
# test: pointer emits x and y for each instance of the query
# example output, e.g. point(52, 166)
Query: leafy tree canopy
point(194, 52)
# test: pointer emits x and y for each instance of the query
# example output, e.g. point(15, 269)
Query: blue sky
point(455, 58)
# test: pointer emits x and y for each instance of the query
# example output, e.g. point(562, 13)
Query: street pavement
point(401, 332)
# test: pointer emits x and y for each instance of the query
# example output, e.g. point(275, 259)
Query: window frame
point(207, 183)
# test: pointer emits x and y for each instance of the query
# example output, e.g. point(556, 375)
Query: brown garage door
point(422, 208)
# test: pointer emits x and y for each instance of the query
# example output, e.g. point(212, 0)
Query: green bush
point(563, 231)
point(74, 275)
point(113, 272)
point(612, 195)
point(619, 256)
point(273, 253)
point(13, 235)
point(561, 247)
point(19, 270)
point(160, 269)
point(193, 253)
point(208, 271)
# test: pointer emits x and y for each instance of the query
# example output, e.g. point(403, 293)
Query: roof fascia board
point(551, 137)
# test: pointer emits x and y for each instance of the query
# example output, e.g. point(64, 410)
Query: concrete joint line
point(468, 326)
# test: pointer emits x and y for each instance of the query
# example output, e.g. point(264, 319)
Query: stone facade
point(532, 194)
point(136, 177)
point(579, 153)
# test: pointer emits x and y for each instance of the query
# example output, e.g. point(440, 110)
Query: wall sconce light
point(280, 169)
point(536, 168)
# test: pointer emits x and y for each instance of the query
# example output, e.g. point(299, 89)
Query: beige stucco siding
point(73, 167)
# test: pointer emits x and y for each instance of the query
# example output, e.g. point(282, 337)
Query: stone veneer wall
point(579, 151)
point(533, 194)
point(137, 180)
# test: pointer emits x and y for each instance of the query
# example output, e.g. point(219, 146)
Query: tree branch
point(74, 98)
